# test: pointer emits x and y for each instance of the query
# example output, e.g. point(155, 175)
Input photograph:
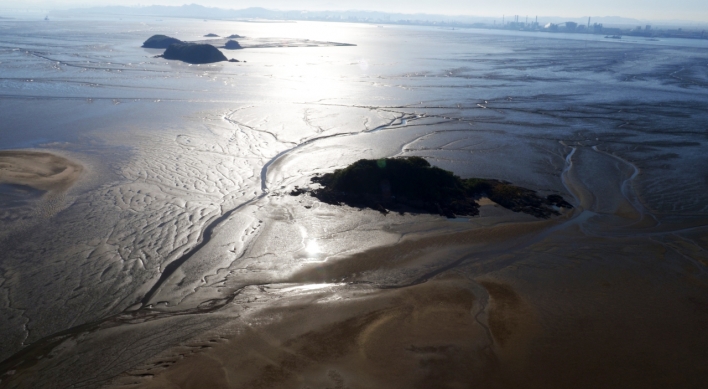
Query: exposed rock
point(232, 45)
point(160, 42)
point(412, 185)
point(194, 53)
point(298, 191)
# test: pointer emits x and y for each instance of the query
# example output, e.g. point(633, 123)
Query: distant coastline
point(607, 25)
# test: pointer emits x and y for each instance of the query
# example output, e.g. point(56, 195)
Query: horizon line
point(458, 15)
point(395, 13)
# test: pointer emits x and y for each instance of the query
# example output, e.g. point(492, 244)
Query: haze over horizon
point(689, 10)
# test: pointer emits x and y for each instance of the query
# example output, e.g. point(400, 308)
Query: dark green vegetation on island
point(194, 53)
point(232, 45)
point(211, 35)
point(160, 42)
point(412, 185)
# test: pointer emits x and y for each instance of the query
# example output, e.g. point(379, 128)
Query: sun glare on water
point(312, 247)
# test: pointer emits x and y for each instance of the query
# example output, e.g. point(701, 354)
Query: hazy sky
point(641, 9)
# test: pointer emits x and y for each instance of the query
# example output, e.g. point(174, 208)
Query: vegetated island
point(411, 184)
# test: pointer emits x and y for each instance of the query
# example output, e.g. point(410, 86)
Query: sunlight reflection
point(326, 71)
point(308, 288)
point(312, 247)
point(363, 65)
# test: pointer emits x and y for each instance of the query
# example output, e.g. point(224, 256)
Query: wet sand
point(571, 311)
point(508, 303)
point(610, 294)
point(590, 299)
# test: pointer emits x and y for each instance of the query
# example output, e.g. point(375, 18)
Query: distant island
point(232, 45)
point(412, 185)
point(206, 51)
point(160, 42)
point(194, 53)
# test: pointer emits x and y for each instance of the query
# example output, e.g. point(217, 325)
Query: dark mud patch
point(412, 185)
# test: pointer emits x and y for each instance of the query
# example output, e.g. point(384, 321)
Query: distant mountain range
point(201, 12)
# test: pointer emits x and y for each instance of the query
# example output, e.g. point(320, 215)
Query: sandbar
point(38, 169)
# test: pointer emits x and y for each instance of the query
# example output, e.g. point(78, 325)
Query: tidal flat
point(173, 255)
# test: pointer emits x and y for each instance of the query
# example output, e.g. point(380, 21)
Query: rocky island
point(194, 53)
point(412, 185)
point(160, 42)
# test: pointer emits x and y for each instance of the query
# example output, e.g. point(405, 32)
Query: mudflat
point(187, 263)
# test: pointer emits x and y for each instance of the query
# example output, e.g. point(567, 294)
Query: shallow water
point(181, 231)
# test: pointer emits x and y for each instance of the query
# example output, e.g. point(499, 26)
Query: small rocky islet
point(411, 184)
